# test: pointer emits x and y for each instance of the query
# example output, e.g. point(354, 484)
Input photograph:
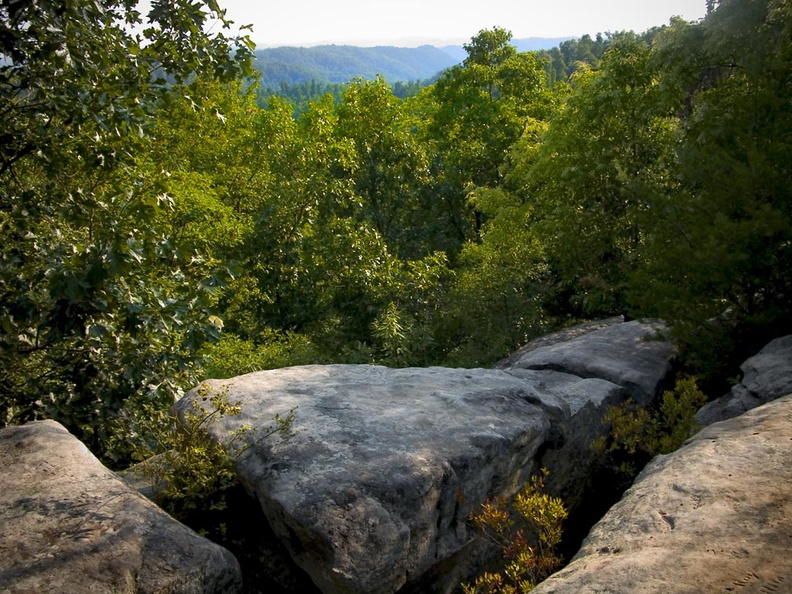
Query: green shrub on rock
point(528, 531)
point(189, 470)
point(637, 434)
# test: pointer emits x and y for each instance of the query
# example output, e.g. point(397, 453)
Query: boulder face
point(628, 354)
point(571, 460)
point(592, 367)
point(71, 525)
point(766, 376)
point(372, 490)
point(714, 516)
point(383, 466)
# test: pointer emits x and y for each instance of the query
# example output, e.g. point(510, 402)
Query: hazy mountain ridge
point(341, 63)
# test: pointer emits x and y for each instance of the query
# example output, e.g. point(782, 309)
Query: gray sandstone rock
point(627, 354)
point(766, 376)
point(574, 392)
point(714, 516)
point(375, 484)
point(68, 524)
point(557, 337)
point(571, 459)
point(733, 404)
point(591, 367)
point(373, 489)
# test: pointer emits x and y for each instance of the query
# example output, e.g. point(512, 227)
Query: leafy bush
point(190, 470)
point(637, 434)
point(233, 356)
point(528, 531)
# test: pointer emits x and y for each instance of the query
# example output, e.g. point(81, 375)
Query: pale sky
point(441, 22)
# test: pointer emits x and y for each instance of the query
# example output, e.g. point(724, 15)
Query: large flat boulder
point(373, 489)
point(563, 335)
point(714, 516)
point(68, 524)
point(766, 376)
point(627, 354)
point(374, 486)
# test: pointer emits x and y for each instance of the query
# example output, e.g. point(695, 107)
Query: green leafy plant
point(99, 304)
point(232, 356)
point(191, 471)
point(528, 530)
point(637, 434)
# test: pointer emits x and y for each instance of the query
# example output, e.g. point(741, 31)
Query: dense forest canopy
point(160, 226)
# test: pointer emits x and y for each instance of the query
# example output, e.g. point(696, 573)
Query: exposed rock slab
point(766, 376)
point(372, 491)
point(564, 335)
point(627, 354)
point(570, 457)
point(376, 482)
point(714, 516)
point(68, 524)
point(576, 392)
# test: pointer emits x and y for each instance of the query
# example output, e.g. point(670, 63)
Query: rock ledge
point(68, 524)
point(714, 516)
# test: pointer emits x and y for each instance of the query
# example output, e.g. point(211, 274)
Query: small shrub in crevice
point(528, 530)
point(190, 471)
point(638, 434)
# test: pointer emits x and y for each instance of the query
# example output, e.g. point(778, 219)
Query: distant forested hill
point(342, 63)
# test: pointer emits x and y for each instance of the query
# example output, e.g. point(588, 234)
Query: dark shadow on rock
point(267, 568)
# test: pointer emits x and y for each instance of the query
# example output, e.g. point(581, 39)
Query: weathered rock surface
point(714, 516)
point(569, 457)
point(565, 335)
point(591, 367)
point(68, 524)
point(627, 354)
point(373, 488)
point(383, 466)
point(766, 376)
